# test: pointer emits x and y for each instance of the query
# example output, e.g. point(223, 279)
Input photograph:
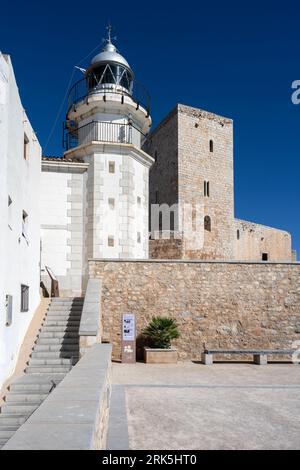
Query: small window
point(9, 200)
point(206, 188)
point(207, 223)
point(111, 167)
point(211, 146)
point(111, 241)
point(156, 197)
point(238, 234)
point(160, 222)
point(264, 256)
point(172, 221)
point(25, 148)
point(24, 298)
point(111, 202)
point(138, 237)
point(8, 305)
point(139, 200)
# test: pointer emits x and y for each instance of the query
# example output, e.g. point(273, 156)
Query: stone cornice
point(112, 148)
point(64, 167)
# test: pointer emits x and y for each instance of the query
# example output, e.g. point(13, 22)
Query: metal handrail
point(81, 91)
point(100, 131)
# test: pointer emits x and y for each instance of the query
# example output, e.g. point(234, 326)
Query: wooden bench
point(260, 356)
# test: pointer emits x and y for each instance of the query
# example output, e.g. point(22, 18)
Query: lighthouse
point(107, 120)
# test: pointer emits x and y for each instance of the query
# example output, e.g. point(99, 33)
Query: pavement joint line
point(117, 435)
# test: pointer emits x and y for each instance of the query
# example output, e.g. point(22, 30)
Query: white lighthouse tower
point(106, 123)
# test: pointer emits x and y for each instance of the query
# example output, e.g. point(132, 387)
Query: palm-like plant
point(161, 331)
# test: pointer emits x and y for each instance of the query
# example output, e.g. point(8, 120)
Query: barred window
point(24, 298)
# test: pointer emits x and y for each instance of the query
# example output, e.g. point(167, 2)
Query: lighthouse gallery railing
point(98, 131)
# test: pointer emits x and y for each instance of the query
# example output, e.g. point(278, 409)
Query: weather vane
point(109, 36)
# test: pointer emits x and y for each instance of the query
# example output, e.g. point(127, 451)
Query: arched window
point(211, 146)
point(207, 223)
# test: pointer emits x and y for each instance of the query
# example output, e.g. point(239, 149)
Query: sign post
point(128, 338)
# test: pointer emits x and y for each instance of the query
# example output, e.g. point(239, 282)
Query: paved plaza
point(192, 406)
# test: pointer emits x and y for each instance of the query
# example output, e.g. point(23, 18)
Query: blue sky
point(231, 58)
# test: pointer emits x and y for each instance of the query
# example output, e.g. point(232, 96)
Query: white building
point(20, 169)
point(94, 201)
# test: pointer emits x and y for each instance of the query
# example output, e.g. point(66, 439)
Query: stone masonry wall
point(252, 240)
point(216, 304)
point(170, 248)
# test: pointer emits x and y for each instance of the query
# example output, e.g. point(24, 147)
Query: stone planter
point(160, 356)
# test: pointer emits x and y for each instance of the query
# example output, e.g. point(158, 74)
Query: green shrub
point(161, 331)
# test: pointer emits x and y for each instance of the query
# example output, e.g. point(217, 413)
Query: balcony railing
point(81, 91)
point(98, 131)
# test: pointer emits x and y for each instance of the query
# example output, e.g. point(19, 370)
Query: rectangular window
point(138, 237)
point(8, 305)
point(264, 256)
point(238, 234)
point(26, 146)
point(111, 202)
point(111, 241)
point(156, 197)
point(111, 167)
point(139, 200)
point(24, 298)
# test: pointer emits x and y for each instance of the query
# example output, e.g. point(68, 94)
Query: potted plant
point(159, 334)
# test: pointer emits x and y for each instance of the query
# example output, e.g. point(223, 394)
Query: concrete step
point(38, 386)
point(59, 334)
point(63, 316)
point(49, 362)
point(54, 354)
point(61, 342)
point(67, 299)
point(6, 434)
point(47, 369)
point(65, 306)
point(57, 347)
point(18, 408)
point(12, 420)
point(2, 442)
point(63, 323)
point(61, 328)
point(8, 428)
point(25, 397)
point(65, 311)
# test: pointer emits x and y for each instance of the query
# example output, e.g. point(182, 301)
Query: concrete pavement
point(191, 406)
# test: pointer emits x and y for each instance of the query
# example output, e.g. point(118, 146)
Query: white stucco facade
point(19, 213)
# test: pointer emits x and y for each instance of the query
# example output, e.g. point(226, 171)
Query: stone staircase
point(55, 351)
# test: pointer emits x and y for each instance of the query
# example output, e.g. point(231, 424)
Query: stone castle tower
point(193, 152)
